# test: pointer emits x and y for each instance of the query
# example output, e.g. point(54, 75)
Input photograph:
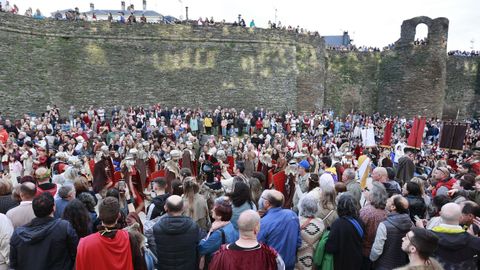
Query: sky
point(369, 22)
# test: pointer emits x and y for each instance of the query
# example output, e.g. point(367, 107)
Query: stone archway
point(437, 31)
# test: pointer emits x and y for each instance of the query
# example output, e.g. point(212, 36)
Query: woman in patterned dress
point(311, 230)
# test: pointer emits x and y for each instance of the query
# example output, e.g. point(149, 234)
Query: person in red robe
point(103, 170)
point(475, 161)
point(132, 176)
point(246, 253)
point(110, 248)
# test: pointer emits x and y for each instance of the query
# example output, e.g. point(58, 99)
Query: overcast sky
point(369, 22)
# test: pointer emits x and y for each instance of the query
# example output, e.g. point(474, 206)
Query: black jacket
point(345, 242)
point(457, 250)
point(158, 205)
point(397, 225)
point(44, 243)
point(416, 207)
point(7, 203)
point(176, 239)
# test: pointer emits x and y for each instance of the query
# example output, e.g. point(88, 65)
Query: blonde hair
point(421, 183)
point(6, 186)
point(190, 188)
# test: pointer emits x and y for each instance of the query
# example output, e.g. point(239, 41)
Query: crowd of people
point(420, 42)
point(129, 18)
point(354, 48)
point(472, 53)
point(181, 188)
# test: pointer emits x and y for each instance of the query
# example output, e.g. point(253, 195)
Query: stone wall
point(352, 81)
point(102, 64)
point(462, 97)
point(413, 77)
point(408, 80)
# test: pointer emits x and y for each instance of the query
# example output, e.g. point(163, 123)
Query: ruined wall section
point(102, 64)
point(412, 80)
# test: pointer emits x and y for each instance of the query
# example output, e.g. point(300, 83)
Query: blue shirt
point(280, 229)
point(213, 243)
point(60, 205)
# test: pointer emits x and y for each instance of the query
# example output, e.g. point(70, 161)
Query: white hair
point(326, 180)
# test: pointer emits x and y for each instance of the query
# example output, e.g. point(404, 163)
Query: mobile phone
point(121, 185)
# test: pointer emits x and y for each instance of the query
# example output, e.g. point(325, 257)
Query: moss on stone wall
point(352, 81)
point(82, 64)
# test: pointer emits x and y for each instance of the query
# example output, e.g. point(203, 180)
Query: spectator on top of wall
point(38, 15)
point(29, 12)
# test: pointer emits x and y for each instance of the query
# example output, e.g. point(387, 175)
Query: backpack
point(322, 259)
point(150, 258)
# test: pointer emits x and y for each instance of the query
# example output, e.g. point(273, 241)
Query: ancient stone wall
point(408, 80)
point(462, 97)
point(412, 78)
point(102, 64)
point(352, 79)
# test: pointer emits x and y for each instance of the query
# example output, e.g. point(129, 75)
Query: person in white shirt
point(399, 150)
point(23, 213)
point(6, 230)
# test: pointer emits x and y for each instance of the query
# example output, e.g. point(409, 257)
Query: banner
point(453, 136)
point(363, 170)
point(368, 137)
point(415, 138)
point(387, 135)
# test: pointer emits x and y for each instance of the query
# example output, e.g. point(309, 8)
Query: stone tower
point(413, 77)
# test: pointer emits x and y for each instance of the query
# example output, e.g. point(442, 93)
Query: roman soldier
point(103, 169)
point(222, 163)
point(211, 188)
point(266, 166)
point(141, 158)
point(73, 170)
point(172, 168)
point(348, 161)
point(60, 164)
point(288, 188)
point(188, 158)
point(132, 179)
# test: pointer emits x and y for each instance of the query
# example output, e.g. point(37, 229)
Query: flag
point(387, 135)
point(363, 170)
point(368, 137)
point(415, 138)
point(453, 136)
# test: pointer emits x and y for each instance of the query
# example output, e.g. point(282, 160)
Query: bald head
point(174, 205)
point(28, 191)
point(274, 197)
point(248, 221)
point(451, 213)
point(398, 203)
point(380, 174)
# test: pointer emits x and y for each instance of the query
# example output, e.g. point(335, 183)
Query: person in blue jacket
point(279, 228)
point(222, 230)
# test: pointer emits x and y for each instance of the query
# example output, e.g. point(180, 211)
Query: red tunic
point(263, 258)
point(96, 252)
